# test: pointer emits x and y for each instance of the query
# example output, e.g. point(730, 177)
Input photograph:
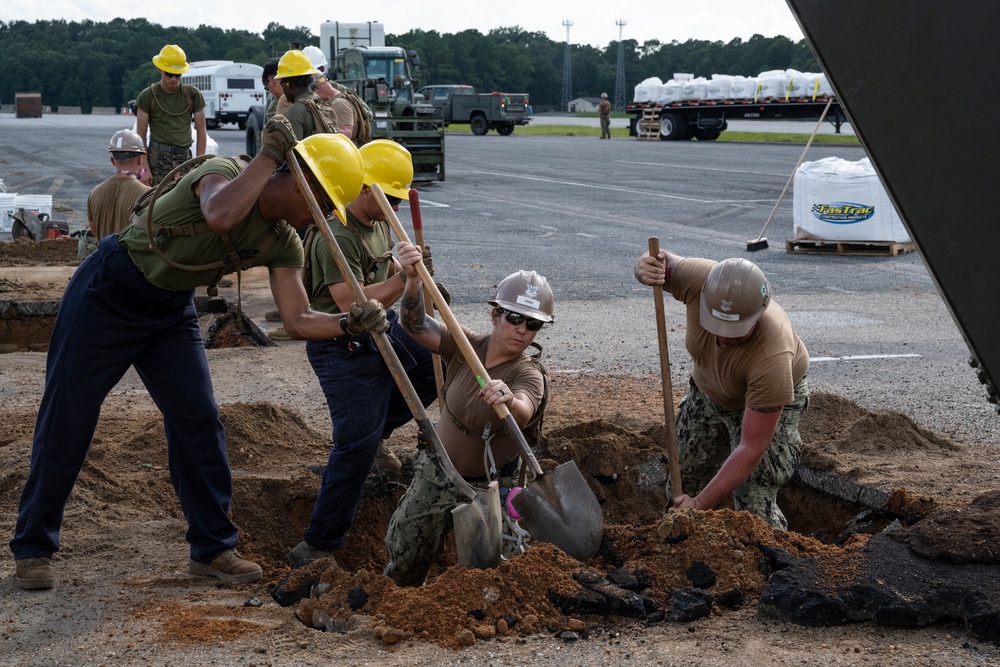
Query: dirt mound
point(52, 252)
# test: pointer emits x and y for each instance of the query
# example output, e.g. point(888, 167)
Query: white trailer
point(229, 88)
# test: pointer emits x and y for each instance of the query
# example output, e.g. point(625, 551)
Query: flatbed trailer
point(705, 120)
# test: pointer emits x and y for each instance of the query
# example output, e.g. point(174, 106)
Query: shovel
point(668, 390)
point(479, 524)
point(558, 507)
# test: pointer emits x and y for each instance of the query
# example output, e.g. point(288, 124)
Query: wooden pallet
point(648, 127)
point(822, 247)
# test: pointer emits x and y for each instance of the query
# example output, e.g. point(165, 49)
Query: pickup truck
point(458, 104)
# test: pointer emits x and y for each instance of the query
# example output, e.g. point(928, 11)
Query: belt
point(167, 148)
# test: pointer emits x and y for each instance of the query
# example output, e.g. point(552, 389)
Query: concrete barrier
point(63, 110)
point(104, 111)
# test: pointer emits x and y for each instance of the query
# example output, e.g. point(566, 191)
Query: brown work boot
point(272, 316)
point(228, 566)
point(306, 553)
point(279, 334)
point(386, 459)
point(33, 574)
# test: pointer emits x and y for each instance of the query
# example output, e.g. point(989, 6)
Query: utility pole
point(620, 70)
point(567, 90)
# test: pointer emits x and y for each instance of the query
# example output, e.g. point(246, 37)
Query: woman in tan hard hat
point(737, 428)
point(474, 438)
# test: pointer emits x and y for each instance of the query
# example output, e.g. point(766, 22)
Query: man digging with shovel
point(473, 436)
point(737, 428)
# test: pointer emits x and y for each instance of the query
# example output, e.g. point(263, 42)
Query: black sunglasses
point(392, 200)
point(173, 76)
point(517, 319)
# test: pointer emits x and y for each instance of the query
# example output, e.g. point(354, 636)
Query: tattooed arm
point(425, 330)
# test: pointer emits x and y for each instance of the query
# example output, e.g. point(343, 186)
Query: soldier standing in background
point(604, 108)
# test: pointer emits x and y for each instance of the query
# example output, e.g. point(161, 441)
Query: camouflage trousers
point(707, 433)
point(161, 162)
point(422, 520)
point(86, 245)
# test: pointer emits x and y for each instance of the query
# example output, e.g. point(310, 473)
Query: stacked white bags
point(770, 85)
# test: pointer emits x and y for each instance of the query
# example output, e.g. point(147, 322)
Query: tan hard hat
point(126, 141)
point(733, 298)
point(526, 293)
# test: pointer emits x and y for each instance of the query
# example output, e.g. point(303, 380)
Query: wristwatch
point(343, 325)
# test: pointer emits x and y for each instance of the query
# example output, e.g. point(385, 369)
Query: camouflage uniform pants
point(707, 433)
point(422, 520)
point(161, 162)
point(86, 245)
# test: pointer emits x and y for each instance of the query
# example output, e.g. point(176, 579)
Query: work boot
point(228, 566)
point(272, 316)
point(279, 334)
point(386, 460)
point(306, 553)
point(33, 574)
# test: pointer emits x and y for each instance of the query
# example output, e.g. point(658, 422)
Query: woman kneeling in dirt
point(474, 438)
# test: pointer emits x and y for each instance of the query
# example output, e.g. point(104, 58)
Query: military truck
point(385, 78)
point(461, 104)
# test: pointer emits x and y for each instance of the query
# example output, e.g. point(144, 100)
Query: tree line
point(91, 64)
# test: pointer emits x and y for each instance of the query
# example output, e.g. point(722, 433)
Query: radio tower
point(620, 70)
point(567, 91)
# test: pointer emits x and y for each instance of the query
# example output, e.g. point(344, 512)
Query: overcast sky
point(721, 20)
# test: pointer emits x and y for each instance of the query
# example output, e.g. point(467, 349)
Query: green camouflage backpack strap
point(324, 115)
point(363, 128)
point(373, 261)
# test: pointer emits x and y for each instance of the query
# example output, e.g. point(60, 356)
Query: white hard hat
point(316, 56)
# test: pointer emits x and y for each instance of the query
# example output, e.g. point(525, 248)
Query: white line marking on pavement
point(864, 357)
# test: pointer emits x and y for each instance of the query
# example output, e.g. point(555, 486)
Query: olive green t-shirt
point(324, 267)
point(169, 116)
point(181, 206)
point(758, 373)
point(301, 117)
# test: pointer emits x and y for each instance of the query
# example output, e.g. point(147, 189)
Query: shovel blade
point(559, 507)
point(479, 529)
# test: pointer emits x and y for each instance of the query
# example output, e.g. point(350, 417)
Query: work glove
point(367, 319)
point(428, 262)
point(444, 292)
point(277, 138)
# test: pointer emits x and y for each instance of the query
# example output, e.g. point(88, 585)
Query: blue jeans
point(366, 406)
point(111, 318)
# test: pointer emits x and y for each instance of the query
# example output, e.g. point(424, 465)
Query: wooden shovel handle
point(668, 389)
point(396, 369)
point(468, 353)
point(418, 235)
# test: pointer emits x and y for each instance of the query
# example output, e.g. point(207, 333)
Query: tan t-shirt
point(465, 414)
point(108, 204)
point(759, 373)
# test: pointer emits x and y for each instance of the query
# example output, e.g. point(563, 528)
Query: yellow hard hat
point(294, 63)
point(336, 164)
point(171, 59)
point(390, 165)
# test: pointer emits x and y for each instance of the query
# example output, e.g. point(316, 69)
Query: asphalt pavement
point(580, 211)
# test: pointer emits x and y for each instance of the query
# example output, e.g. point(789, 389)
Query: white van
point(229, 88)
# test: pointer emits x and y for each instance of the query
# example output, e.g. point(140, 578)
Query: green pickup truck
point(458, 105)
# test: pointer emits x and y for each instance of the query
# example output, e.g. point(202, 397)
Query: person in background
point(474, 437)
point(738, 426)
point(126, 306)
point(273, 86)
point(109, 204)
point(365, 404)
point(166, 109)
point(604, 108)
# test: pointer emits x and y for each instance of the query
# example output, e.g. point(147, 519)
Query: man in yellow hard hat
point(365, 404)
point(167, 109)
point(131, 303)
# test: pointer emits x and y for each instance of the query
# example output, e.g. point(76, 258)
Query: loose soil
point(124, 597)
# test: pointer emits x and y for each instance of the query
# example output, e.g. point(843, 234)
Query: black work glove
point(277, 138)
point(428, 262)
point(444, 292)
point(367, 319)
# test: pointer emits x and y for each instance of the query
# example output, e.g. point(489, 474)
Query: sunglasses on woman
point(517, 319)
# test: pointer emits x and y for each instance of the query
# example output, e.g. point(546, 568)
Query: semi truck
point(705, 120)
point(230, 89)
point(461, 104)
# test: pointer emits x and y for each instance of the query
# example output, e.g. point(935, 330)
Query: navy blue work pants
point(366, 406)
point(111, 318)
